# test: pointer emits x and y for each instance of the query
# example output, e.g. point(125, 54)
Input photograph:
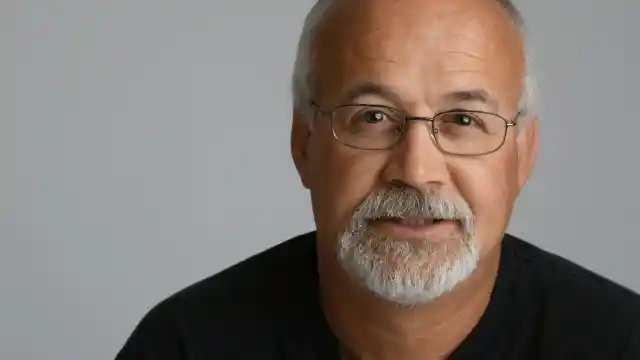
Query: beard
point(408, 272)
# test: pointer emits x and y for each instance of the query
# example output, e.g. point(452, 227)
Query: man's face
point(412, 55)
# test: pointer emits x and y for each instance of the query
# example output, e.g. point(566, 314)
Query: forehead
point(419, 48)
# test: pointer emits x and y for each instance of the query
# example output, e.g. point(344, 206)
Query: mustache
point(406, 202)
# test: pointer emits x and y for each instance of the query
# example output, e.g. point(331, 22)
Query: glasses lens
point(367, 127)
point(468, 132)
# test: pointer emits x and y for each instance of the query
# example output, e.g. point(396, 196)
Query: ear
point(300, 133)
point(527, 149)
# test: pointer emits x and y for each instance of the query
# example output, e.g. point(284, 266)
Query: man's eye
point(373, 117)
point(463, 120)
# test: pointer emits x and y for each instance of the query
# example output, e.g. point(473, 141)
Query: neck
point(370, 328)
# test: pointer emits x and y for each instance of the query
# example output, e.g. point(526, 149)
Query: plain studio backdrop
point(144, 145)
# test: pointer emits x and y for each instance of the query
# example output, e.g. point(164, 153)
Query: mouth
point(413, 228)
point(409, 221)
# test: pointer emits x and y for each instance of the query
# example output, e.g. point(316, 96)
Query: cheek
point(341, 179)
point(487, 184)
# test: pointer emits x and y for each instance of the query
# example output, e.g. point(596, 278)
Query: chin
point(407, 273)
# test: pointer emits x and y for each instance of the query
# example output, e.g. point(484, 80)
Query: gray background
point(144, 146)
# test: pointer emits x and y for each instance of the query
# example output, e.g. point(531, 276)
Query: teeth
point(417, 221)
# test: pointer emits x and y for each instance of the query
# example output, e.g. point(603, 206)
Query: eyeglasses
point(456, 132)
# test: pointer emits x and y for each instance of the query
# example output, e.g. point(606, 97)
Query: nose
point(416, 160)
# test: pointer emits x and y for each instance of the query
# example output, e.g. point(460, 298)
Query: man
point(414, 131)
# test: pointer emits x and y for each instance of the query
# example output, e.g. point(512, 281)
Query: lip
point(398, 230)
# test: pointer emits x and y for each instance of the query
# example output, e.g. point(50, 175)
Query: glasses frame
point(433, 131)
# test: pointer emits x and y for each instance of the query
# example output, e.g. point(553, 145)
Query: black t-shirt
point(543, 307)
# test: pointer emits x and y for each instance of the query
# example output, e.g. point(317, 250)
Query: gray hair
point(409, 273)
point(303, 81)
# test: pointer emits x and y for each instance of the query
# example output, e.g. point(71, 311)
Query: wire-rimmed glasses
point(456, 132)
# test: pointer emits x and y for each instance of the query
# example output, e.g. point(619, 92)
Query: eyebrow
point(458, 96)
point(473, 95)
point(370, 88)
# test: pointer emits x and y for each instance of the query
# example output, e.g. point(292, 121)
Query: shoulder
point(562, 278)
point(582, 305)
point(250, 300)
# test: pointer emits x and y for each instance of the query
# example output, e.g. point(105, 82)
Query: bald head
point(384, 15)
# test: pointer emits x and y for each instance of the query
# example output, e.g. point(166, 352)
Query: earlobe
point(527, 150)
point(300, 133)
